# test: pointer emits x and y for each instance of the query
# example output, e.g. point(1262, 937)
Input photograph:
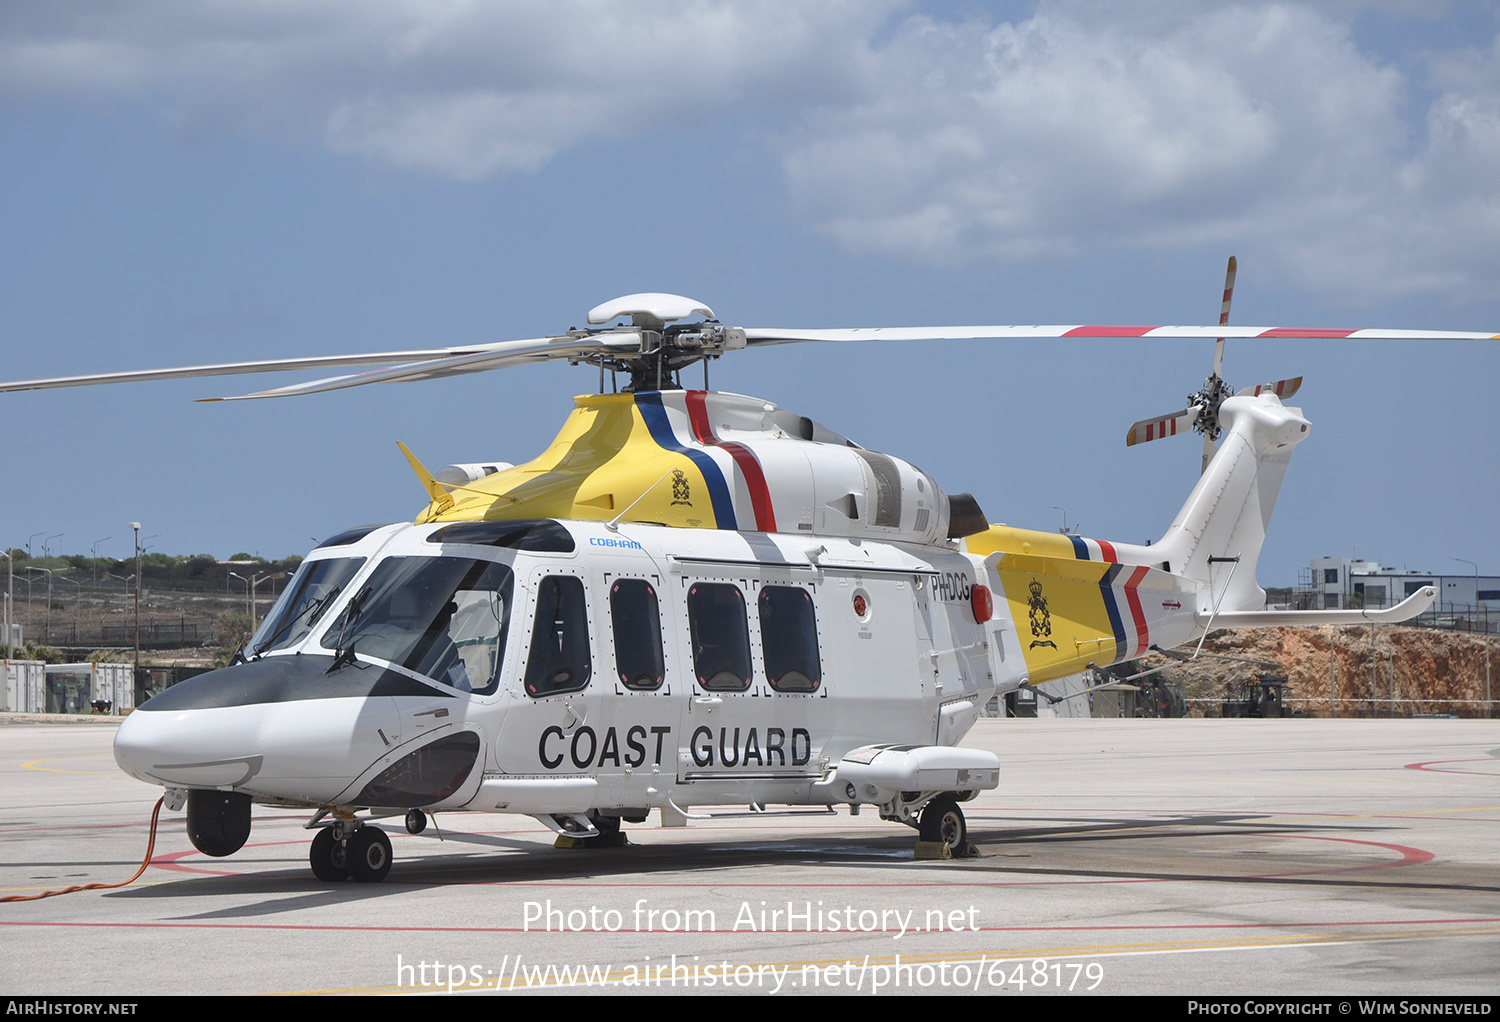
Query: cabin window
point(311, 591)
point(789, 639)
point(721, 636)
point(636, 618)
point(560, 660)
point(444, 617)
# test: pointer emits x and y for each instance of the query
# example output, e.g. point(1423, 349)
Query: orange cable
point(150, 847)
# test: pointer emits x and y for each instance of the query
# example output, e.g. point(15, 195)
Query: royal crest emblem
point(1041, 617)
point(680, 491)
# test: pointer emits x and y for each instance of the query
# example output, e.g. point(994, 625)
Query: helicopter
point(689, 599)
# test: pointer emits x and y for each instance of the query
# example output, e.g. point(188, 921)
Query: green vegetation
point(34, 651)
point(233, 631)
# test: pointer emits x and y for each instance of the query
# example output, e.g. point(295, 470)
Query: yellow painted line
point(32, 765)
point(1261, 821)
point(77, 883)
point(1374, 815)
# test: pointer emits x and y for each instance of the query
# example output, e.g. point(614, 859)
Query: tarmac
point(1266, 858)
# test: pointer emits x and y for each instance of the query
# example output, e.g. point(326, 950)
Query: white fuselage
point(894, 655)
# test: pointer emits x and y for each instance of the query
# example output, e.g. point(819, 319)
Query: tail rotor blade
point(1224, 313)
point(1163, 425)
point(1281, 388)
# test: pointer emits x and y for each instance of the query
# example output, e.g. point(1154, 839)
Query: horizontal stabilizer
point(1407, 609)
point(435, 492)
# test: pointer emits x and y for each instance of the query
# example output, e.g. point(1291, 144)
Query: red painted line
point(744, 458)
point(1108, 550)
point(697, 406)
point(1427, 766)
point(1142, 632)
point(1141, 928)
point(1109, 331)
point(1288, 331)
point(755, 480)
point(1409, 856)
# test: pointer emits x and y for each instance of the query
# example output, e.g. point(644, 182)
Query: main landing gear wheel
point(369, 855)
point(328, 856)
point(942, 820)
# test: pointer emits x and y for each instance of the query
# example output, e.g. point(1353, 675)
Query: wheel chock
point(933, 850)
point(615, 840)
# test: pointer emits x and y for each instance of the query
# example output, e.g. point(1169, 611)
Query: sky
point(184, 183)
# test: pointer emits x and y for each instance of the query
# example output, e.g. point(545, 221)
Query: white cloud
point(458, 89)
point(1261, 127)
point(1090, 125)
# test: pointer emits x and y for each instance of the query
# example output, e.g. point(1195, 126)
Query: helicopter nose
point(191, 748)
point(280, 727)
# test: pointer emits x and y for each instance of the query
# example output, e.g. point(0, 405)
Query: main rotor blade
point(500, 356)
point(273, 365)
point(760, 336)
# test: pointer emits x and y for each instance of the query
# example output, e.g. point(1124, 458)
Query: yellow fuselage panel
point(1073, 603)
point(1063, 622)
point(602, 461)
point(694, 459)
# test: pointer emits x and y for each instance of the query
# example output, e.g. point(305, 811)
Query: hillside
point(1425, 670)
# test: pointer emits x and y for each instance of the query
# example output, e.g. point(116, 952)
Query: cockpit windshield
point(311, 591)
point(445, 617)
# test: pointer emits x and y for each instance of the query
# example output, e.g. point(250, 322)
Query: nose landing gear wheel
point(942, 820)
point(416, 821)
point(328, 857)
point(369, 855)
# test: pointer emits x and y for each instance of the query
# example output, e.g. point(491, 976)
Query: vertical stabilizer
point(1227, 513)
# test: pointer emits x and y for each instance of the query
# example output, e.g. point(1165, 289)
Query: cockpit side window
point(721, 636)
point(444, 617)
point(560, 660)
point(311, 591)
point(636, 618)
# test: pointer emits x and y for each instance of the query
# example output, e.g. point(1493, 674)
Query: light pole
point(47, 625)
point(10, 598)
point(31, 537)
point(77, 605)
point(49, 539)
point(95, 558)
point(257, 581)
point(1488, 709)
point(135, 527)
point(249, 609)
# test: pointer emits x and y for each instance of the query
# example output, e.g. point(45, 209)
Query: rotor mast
point(666, 346)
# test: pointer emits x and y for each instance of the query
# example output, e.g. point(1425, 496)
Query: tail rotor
point(1202, 413)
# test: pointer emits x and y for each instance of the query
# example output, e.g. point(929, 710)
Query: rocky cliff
point(1412, 670)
